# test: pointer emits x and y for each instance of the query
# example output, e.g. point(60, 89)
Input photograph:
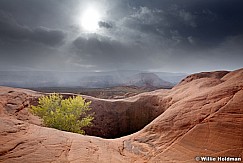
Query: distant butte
point(201, 116)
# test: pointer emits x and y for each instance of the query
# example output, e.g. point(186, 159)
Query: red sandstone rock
point(202, 116)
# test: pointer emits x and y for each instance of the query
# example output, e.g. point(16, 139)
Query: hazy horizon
point(106, 71)
point(184, 36)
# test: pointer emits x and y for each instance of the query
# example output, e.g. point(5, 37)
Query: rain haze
point(93, 36)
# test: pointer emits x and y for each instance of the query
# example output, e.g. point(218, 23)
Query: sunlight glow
point(90, 20)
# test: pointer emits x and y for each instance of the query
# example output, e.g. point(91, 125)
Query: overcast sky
point(153, 35)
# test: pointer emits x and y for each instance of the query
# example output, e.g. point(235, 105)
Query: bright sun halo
point(90, 20)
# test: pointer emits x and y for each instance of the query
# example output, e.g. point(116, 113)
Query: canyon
point(200, 116)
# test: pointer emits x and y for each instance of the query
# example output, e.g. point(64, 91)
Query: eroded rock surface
point(202, 116)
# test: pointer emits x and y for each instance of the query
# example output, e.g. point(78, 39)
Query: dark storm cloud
point(103, 24)
point(163, 35)
point(96, 45)
point(208, 22)
point(10, 29)
point(106, 52)
point(48, 36)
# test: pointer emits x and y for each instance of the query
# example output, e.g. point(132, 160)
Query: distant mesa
point(148, 80)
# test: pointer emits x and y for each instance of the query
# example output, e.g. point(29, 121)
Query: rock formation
point(148, 80)
point(201, 116)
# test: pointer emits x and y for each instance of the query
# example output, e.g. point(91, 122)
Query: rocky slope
point(201, 116)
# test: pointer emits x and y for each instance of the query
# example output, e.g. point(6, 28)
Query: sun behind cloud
point(90, 19)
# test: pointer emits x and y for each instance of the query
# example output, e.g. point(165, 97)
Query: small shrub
point(64, 114)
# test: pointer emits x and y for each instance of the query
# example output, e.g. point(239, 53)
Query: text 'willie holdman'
point(219, 159)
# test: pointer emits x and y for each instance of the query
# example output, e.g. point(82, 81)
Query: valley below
point(118, 92)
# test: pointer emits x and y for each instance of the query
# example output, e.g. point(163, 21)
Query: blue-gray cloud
point(10, 29)
point(103, 24)
point(178, 35)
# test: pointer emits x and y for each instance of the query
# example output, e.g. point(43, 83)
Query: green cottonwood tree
point(64, 114)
